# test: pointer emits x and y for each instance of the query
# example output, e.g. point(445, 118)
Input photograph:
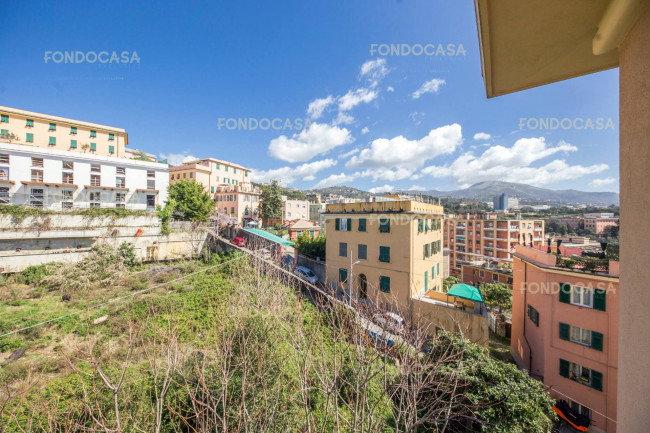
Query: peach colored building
point(476, 275)
point(227, 183)
point(565, 332)
point(298, 227)
point(599, 224)
point(60, 133)
point(473, 237)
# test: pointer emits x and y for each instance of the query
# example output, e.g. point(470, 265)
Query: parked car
point(380, 341)
point(263, 253)
point(239, 241)
point(390, 321)
point(306, 274)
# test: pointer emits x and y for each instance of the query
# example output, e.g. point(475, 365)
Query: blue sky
point(377, 121)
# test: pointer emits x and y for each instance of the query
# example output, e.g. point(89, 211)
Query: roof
point(49, 117)
point(269, 236)
point(465, 291)
point(530, 43)
point(301, 224)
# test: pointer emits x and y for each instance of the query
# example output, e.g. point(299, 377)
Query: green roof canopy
point(269, 236)
point(465, 291)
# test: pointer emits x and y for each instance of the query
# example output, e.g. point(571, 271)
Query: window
point(533, 315)
point(343, 224)
point(95, 168)
point(4, 195)
point(4, 173)
point(384, 284)
point(362, 252)
point(111, 137)
point(120, 199)
point(343, 275)
point(68, 165)
point(151, 202)
point(52, 127)
point(362, 224)
point(29, 123)
point(95, 199)
point(29, 137)
point(151, 183)
point(582, 336)
point(73, 130)
point(212, 189)
point(111, 149)
point(4, 118)
point(37, 175)
point(73, 144)
point(580, 374)
point(121, 171)
point(580, 409)
point(245, 173)
point(384, 225)
point(36, 197)
point(343, 249)
point(384, 254)
point(68, 178)
point(93, 147)
point(120, 182)
point(52, 141)
point(95, 180)
point(582, 296)
point(93, 134)
point(234, 170)
point(66, 199)
point(4, 158)
point(4, 133)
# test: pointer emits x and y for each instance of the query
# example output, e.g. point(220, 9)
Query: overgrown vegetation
point(19, 212)
point(192, 201)
point(165, 214)
point(270, 202)
point(497, 295)
point(311, 247)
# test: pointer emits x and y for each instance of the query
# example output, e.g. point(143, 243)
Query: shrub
point(33, 274)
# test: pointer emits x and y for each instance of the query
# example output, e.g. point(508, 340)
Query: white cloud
point(309, 178)
point(432, 86)
point(349, 154)
point(365, 130)
point(402, 154)
point(177, 158)
point(342, 119)
point(317, 106)
point(356, 97)
point(417, 117)
point(388, 174)
point(597, 183)
point(288, 175)
point(374, 70)
point(390, 89)
point(336, 179)
point(513, 164)
point(417, 188)
point(382, 189)
point(482, 136)
point(319, 138)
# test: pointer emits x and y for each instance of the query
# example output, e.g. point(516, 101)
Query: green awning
point(269, 236)
point(465, 291)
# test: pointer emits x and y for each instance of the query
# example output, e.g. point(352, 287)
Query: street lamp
point(351, 280)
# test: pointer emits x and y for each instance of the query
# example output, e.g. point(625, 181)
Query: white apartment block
point(59, 179)
point(294, 209)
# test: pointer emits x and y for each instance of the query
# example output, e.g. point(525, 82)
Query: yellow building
point(391, 251)
point(59, 133)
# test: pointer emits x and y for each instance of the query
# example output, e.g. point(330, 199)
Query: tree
point(10, 136)
point(448, 282)
point(497, 295)
point(165, 214)
point(311, 247)
point(193, 203)
point(270, 201)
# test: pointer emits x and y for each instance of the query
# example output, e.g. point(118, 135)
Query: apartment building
point(486, 273)
point(565, 332)
point(294, 209)
point(299, 227)
point(599, 223)
point(227, 183)
point(59, 133)
point(386, 251)
point(473, 237)
point(59, 179)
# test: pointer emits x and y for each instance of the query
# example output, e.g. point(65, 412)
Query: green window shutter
point(337, 224)
point(245, 173)
point(597, 380)
point(30, 122)
point(433, 272)
point(565, 293)
point(384, 225)
point(565, 331)
point(565, 366)
point(4, 119)
point(73, 130)
point(93, 134)
point(426, 280)
point(111, 137)
point(29, 137)
point(93, 146)
point(424, 252)
point(52, 141)
point(419, 226)
point(599, 300)
point(597, 340)
point(437, 268)
point(52, 126)
point(73, 144)
point(111, 149)
point(343, 275)
point(4, 132)
point(384, 284)
point(362, 224)
point(349, 224)
point(211, 189)
point(384, 254)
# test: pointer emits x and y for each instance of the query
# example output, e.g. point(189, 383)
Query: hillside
point(345, 191)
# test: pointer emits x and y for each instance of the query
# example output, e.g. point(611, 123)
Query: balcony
point(538, 229)
point(514, 228)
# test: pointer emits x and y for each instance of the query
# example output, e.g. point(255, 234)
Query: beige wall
point(432, 315)
point(634, 344)
point(17, 125)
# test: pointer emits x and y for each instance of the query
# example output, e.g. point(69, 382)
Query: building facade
point(59, 133)
point(476, 275)
point(227, 183)
point(598, 224)
point(59, 179)
point(299, 227)
point(565, 332)
point(484, 236)
point(294, 209)
point(389, 252)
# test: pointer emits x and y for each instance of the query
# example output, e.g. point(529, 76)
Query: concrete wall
point(318, 267)
point(433, 315)
point(634, 344)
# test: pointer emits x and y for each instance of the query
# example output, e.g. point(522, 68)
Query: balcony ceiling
point(529, 43)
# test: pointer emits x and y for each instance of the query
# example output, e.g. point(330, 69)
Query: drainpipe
point(530, 350)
